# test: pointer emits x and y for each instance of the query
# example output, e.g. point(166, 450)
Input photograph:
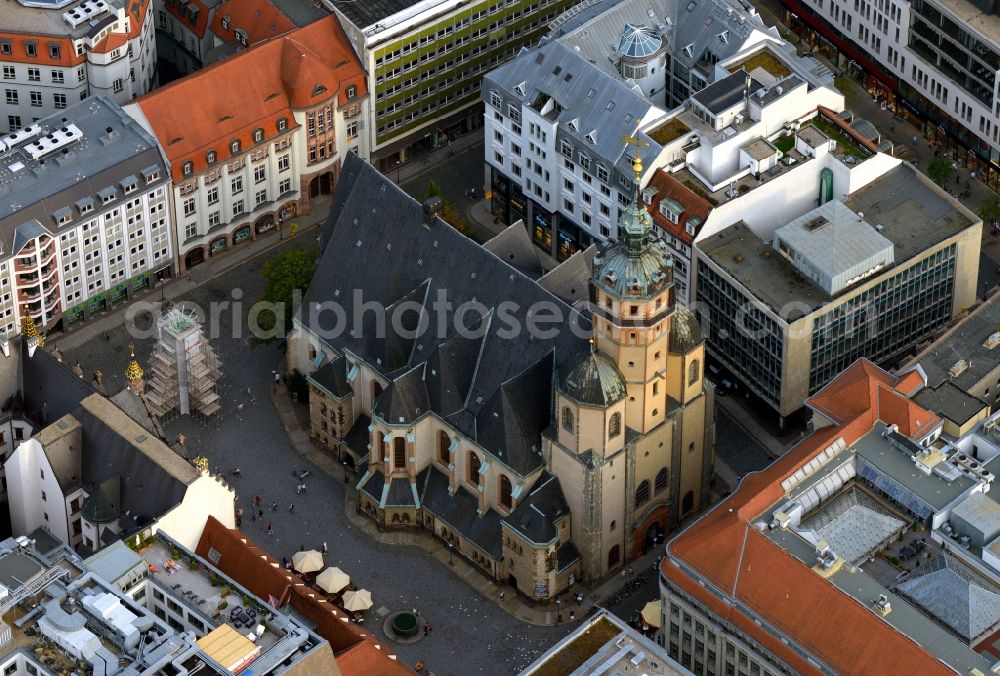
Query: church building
point(549, 424)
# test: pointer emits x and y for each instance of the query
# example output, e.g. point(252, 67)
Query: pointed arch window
point(444, 443)
point(399, 452)
point(615, 425)
point(474, 465)
point(662, 478)
point(506, 492)
point(693, 372)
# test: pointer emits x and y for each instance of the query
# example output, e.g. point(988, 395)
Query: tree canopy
point(284, 275)
point(940, 169)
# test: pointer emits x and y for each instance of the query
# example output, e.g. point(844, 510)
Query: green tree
point(433, 190)
point(283, 275)
point(990, 210)
point(451, 215)
point(940, 169)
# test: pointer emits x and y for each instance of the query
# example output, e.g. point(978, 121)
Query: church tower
point(632, 301)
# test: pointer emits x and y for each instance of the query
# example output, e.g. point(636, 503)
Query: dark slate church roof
point(494, 383)
point(535, 516)
point(594, 380)
point(460, 511)
point(332, 377)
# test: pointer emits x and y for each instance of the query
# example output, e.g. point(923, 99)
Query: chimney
point(432, 210)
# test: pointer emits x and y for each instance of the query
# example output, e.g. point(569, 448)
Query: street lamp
point(345, 471)
point(558, 609)
point(451, 554)
point(399, 164)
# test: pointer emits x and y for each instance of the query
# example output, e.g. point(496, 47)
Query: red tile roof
point(357, 651)
point(259, 18)
point(730, 554)
point(179, 10)
point(252, 90)
point(694, 205)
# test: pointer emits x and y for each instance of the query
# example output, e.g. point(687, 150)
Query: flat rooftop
point(16, 569)
point(770, 276)
point(968, 341)
point(41, 17)
point(950, 401)
point(370, 12)
point(984, 22)
point(911, 213)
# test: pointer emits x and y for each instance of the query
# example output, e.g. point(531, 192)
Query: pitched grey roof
point(135, 407)
point(514, 246)
point(954, 595)
point(369, 12)
point(460, 511)
point(94, 163)
point(699, 23)
point(332, 377)
point(723, 94)
point(535, 517)
point(375, 243)
point(599, 105)
point(685, 331)
point(570, 280)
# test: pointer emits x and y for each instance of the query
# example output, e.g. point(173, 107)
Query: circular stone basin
point(405, 624)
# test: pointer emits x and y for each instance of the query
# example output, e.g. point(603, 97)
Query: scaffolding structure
point(185, 369)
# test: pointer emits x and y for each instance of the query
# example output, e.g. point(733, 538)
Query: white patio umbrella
point(308, 561)
point(357, 600)
point(332, 580)
point(651, 613)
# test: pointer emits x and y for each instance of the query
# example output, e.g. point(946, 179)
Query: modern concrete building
point(55, 54)
point(846, 555)
point(870, 273)
point(83, 215)
point(425, 61)
point(541, 456)
point(933, 62)
point(963, 363)
point(274, 126)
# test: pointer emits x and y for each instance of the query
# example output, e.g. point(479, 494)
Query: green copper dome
point(593, 379)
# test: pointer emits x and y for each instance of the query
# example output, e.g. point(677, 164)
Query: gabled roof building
point(275, 124)
point(541, 456)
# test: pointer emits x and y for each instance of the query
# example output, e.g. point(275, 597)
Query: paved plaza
point(249, 434)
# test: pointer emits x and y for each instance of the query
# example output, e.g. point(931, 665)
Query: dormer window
point(671, 210)
point(282, 124)
point(352, 91)
point(318, 89)
point(689, 50)
point(234, 147)
point(225, 23)
point(592, 137)
point(188, 168)
point(495, 100)
point(520, 88)
point(211, 157)
point(258, 135)
point(724, 37)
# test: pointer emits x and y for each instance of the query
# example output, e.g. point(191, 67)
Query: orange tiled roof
point(179, 10)
point(111, 42)
point(669, 187)
point(742, 563)
point(259, 18)
point(67, 53)
point(252, 90)
point(357, 651)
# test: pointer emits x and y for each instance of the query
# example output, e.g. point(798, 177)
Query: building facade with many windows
point(932, 62)
point(869, 274)
point(276, 123)
point(91, 226)
point(425, 63)
point(54, 55)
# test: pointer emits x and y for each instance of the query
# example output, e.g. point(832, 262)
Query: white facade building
point(85, 219)
point(54, 55)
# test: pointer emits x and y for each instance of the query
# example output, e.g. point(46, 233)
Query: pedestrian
point(502, 594)
point(914, 140)
point(277, 379)
point(256, 500)
point(429, 627)
point(269, 531)
point(630, 571)
point(324, 547)
point(291, 508)
point(274, 506)
point(572, 616)
point(253, 516)
point(260, 514)
point(415, 611)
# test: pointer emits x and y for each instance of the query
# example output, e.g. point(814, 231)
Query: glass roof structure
point(639, 41)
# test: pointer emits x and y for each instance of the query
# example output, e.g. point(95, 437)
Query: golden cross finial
point(131, 349)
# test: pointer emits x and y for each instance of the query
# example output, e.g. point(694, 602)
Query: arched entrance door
point(614, 556)
point(194, 257)
point(687, 504)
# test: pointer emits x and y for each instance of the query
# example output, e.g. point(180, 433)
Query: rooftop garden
point(763, 59)
point(846, 144)
point(579, 650)
point(668, 131)
point(784, 143)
